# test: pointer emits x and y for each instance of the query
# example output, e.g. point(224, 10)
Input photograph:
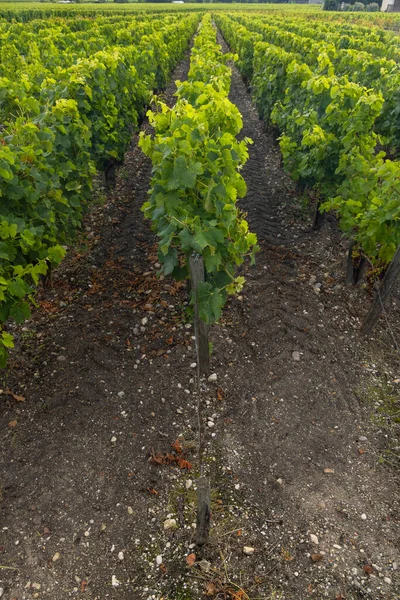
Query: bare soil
point(301, 437)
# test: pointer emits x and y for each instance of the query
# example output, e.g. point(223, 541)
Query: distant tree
point(373, 7)
point(331, 5)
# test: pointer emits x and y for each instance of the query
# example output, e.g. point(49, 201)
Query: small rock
point(121, 394)
point(364, 517)
point(56, 557)
point(114, 581)
point(120, 555)
point(387, 580)
point(317, 557)
point(170, 524)
point(130, 510)
point(144, 321)
point(213, 377)
point(188, 484)
point(87, 533)
point(1, 591)
point(362, 438)
point(296, 356)
point(36, 586)
point(193, 365)
point(61, 358)
point(248, 550)
point(314, 539)
point(113, 439)
point(395, 566)
point(337, 546)
point(210, 423)
point(279, 481)
point(159, 560)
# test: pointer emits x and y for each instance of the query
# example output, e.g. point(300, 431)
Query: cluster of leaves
point(196, 180)
point(329, 140)
point(60, 124)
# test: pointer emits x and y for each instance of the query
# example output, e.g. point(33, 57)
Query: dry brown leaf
point(220, 394)
point(152, 491)
point(329, 471)
point(12, 423)
point(191, 559)
point(211, 590)
point(177, 447)
point(361, 451)
point(184, 464)
point(15, 396)
point(239, 532)
point(83, 587)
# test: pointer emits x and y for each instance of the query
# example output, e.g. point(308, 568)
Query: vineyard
point(136, 142)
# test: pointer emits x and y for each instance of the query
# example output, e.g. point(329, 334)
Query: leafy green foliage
point(196, 180)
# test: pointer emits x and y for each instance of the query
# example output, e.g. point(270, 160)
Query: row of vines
point(332, 90)
point(71, 94)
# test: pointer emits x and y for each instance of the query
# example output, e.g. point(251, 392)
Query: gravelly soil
point(104, 366)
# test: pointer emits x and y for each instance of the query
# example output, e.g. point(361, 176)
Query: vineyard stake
point(382, 294)
point(196, 264)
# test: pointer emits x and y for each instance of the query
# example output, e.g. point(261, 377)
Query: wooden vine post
point(197, 275)
point(382, 294)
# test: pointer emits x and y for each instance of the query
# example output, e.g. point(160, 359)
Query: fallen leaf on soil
point(368, 569)
point(361, 451)
point(191, 559)
point(177, 447)
point(12, 423)
point(46, 531)
point(239, 532)
point(83, 587)
point(184, 464)
point(211, 590)
point(15, 396)
point(317, 557)
point(152, 491)
point(309, 588)
point(220, 394)
point(163, 568)
point(329, 471)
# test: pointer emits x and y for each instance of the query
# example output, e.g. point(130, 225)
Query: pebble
point(296, 356)
point(113, 439)
point(248, 550)
point(279, 481)
point(387, 580)
point(36, 586)
point(314, 539)
point(159, 560)
point(114, 581)
point(1, 592)
point(213, 377)
point(362, 438)
point(87, 533)
point(56, 557)
point(144, 321)
point(210, 424)
point(193, 365)
point(337, 546)
point(170, 524)
point(121, 394)
point(188, 484)
point(364, 517)
point(121, 555)
point(61, 358)
point(130, 510)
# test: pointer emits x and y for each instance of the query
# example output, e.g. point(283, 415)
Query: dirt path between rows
point(300, 439)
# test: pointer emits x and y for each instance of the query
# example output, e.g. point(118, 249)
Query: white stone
point(193, 365)
point(314, 539)
point(121, 555)
point(144, 321)
point(364, 517)
point(248, 550)
point(159, 560)
point(114, 581)
point(113, 439)
point(188, 484)
point(213, 377)
point(279, 481)
point(121, 394)
point(170, 524)
point(387, 580)
point(296, 356)
point(210, 424)
point(56, 557)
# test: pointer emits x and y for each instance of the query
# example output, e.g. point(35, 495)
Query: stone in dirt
point(213, 377)
point(170, 524)
point(317, 557)
point(314, 539)
point(248, 550)
point(296, 356)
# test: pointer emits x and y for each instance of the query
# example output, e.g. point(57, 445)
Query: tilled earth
point(99, 459)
